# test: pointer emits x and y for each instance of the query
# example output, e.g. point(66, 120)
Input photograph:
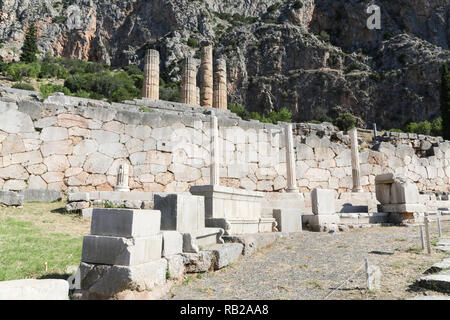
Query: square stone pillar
point(356, 168)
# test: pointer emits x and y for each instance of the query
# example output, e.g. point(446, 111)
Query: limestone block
point(13, 121)
point(57, 163)
point(125, 223)
point(172, 243)
point(14, 185)
point(383, 192)
point(404, 193)
point(323, 202)
point(45, 122)
point(113, 126)
point(102, 136)
point(288, 220)
point(12, 144)
point(198, 262)
point(54, 134)
point(27, 158)
point(36, 182)
point(10, 198)
point(13, 172)
point(97, 163)
point(175, 266)
point(114, 150)
point(121, 251)
point(62, 147)
point(33, 289)
point(85, 148)
point(226, 254)
point(36, 195)
point(320, 220)
point(180, 212)
point(70, 120)
point(75, 206)
point(185, 173)
point(105, 282)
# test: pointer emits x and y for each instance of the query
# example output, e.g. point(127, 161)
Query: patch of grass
point(343, 246)
point(26, 248)
point(187, 280)
point(315, 284)
point(414, 250)
point(400, 240)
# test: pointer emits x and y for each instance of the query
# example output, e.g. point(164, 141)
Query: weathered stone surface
point(121, 251)
point(10, 198)
point(97, 163)
point(172, 243)
point(323, 202)
point(288, 220)
point(34, 195)
point(78, 196)
point(13, 121)
point(198, 262)
point(125, 223)
point(54, 134)
point(33, 289)
point(75, 206)
point(439, 282)
point(105, 281)
point(440, 266)
point(175, 266)
point(226, 254)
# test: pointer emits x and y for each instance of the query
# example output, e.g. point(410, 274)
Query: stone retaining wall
point(75, 144)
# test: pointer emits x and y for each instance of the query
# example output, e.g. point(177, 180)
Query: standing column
point(356, 169)
point(150, 88)
point(290, 161)
point(220, 85)
point(188, 92)
point(206, 76)
point(197, 97)
point(215, 156)
point(122, 178)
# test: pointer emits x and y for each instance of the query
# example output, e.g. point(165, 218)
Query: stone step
point(438, 282)
point(443, 248)
point(440, 266)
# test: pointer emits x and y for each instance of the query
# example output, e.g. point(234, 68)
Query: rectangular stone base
point(121, 251)
point(402, 208)
point(315, 222)
point(288, 220)
point(194, 241)
point(100, 281)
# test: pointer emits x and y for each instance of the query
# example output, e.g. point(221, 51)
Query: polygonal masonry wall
point(79, 144)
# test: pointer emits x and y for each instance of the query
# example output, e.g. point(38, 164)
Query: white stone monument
point(356, 168)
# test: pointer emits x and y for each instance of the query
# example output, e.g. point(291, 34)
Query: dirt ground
point(317, 266)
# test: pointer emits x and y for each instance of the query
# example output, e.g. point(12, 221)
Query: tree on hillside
point(445, 102)
point(29, 48)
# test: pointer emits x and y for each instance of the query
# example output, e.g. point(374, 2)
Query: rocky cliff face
point(315, 57)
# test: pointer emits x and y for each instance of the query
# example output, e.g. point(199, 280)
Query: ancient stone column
point(122, 178)
point(150, 88)
point(290, 161)
point(197, 97)
point(215, 156)
point(356, 168)
point(206, 76)
point(220, 85)
point(188, 92)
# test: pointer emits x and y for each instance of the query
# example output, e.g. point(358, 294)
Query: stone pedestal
point(123, 252)
point(150, 88)
point(398, 197)
point(185, 214)
point(206, 76)
point(237, 211)
point(288, 220)
point(220, 85)
point(188, 92)
point(324, 211)
point(356, 168)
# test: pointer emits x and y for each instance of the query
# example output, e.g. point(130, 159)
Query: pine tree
point(29, 48)
point(445, 102)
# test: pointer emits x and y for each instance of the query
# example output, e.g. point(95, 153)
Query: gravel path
point(310, 265)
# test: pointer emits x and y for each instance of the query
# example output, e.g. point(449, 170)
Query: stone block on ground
point(225, 254)
point(175, 266)
point(33, 289)
point(180, 212)
point(99, 281)
point(438, 282)
point(77, 206)
point(87, 213)
point(323, 202)
point(78, 196)
point(440, 266)
point(253, 242)
point(121, 251)
point(198, 262)
point(193, 242)
point(172, 243)
point(11, 198)
point(125, 223)
point(288, 220)
point(35, 195)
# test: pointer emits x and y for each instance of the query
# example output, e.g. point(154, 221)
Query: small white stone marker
point(122, 178)
point(373, 276)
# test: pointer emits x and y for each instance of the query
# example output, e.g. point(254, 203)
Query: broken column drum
point(122, 178)
point(206, 77)
point(220, 85)
point(150, 88)
point(188, 92)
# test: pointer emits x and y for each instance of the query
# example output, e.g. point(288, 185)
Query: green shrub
point(436, 127)
point(49, 89)
point(240, 111)
point(23, 86)
point(345, 121)
point(17, 71)
point(396, 130)
point(423, 127)
point(192, 42)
